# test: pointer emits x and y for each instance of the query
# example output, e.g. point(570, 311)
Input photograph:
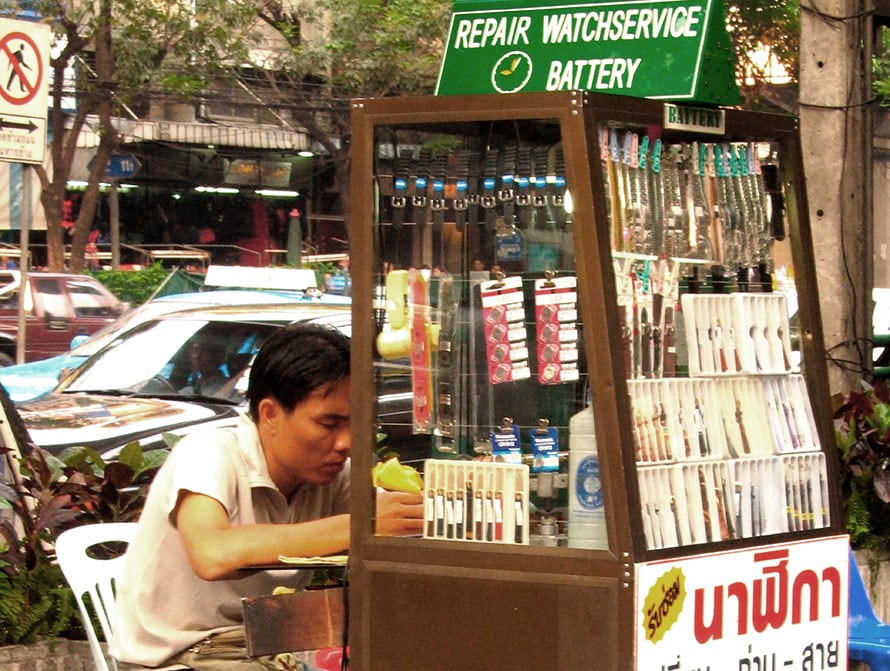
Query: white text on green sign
point(646, 49)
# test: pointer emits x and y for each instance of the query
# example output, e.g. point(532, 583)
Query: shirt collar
point(248, 438)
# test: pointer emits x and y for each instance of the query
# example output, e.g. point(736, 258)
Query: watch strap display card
point(476, 501)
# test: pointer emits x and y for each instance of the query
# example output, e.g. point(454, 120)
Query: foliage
point(334, 50)
point(880, 71)
point(133, 286)
point(770, 24)
point(124, 53)
point(862, 431)
point(51, 495)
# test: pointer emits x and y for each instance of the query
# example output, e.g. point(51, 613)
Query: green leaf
point(132, 456)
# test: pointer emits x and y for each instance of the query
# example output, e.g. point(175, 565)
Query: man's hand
point(399, 514)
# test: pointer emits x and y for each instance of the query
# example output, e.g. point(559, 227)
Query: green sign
point(667, 49)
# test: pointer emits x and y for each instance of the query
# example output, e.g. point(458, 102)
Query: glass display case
point(590, 323)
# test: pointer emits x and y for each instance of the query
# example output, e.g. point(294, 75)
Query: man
point(229, 499)
point(205, 379)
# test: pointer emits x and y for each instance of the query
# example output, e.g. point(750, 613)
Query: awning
point(236, 135)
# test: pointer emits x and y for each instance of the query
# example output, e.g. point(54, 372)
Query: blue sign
point(120, 166)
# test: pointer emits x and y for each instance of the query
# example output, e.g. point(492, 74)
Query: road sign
point(24, 63)
point(120, 166)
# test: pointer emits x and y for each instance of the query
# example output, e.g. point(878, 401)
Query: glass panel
point(725, 440)
point(480, 371)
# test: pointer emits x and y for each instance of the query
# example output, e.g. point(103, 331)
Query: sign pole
point(24, 262)
point(115, 223)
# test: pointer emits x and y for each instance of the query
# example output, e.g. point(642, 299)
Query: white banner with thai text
point(767, 608)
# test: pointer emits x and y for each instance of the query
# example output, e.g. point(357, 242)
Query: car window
point(51, 296)
point(89, 300)
point(184, 357)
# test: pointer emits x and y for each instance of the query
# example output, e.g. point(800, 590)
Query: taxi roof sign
point(667, 49)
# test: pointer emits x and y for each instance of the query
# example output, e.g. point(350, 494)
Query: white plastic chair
point(87, 575)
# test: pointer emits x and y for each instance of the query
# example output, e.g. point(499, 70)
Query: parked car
point(143, 384)
point(26, 381)
point(57, 307)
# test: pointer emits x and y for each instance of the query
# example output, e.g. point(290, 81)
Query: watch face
point(511, 72)
point(549, 353)
point(500, 353)
point(496, 314)
point(551, 370)
point(501, 373)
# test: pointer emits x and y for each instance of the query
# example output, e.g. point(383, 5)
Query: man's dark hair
point(294, 362)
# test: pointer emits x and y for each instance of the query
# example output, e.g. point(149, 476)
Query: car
point(142, 384)
point(26, 381)
point(57, 307)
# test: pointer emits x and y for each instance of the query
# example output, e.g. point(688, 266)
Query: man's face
point(312, 443)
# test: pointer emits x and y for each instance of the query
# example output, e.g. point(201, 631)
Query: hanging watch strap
point(539, 187)
point(474, 171)
point(488, 197)
point(506, 188)
point(558, 188)
point(399, 198)
point(445, 389)
point(461, 188)
point(438, 174)
point(418, 186)
point(523, 187)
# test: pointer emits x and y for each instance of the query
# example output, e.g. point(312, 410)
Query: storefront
point(232, 191)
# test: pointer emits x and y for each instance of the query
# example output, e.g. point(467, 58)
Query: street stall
point(604, 307)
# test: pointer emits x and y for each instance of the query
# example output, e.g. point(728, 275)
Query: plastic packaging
point(587, 520)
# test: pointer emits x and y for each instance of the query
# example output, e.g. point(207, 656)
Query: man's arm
point(216, 549)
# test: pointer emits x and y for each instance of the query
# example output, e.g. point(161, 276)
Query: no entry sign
point(24, 62)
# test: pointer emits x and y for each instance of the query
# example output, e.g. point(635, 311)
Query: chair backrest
point(95, 578)
point(861, 609)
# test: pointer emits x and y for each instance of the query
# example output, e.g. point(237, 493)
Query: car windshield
point(181, 357)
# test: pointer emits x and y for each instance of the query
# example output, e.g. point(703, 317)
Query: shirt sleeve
point(201, 464)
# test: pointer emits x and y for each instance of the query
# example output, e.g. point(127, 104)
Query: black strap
point(523, 187)
point(461, 187)
point(488, 198)
point(539, 187)
point(418, 187)
point(506, 189)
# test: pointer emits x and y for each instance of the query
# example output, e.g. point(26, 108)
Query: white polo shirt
point(163, 607)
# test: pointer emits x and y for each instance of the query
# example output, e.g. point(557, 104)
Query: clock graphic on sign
point(511, 72)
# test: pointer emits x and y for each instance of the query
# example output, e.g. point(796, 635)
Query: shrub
point(862, 431)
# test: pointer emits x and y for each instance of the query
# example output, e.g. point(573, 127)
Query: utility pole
point(836, 138)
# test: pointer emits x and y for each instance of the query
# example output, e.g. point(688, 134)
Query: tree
point(765, 25)
point(335, 50)
point(123, 51)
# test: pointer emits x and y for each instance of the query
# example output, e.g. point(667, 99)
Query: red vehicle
point(58, 307)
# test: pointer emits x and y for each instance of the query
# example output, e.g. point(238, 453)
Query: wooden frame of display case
point(425, 604)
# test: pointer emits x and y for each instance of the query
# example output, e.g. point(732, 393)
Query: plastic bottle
point(587, 519)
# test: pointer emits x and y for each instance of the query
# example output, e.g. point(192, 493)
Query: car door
point(50, 323)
